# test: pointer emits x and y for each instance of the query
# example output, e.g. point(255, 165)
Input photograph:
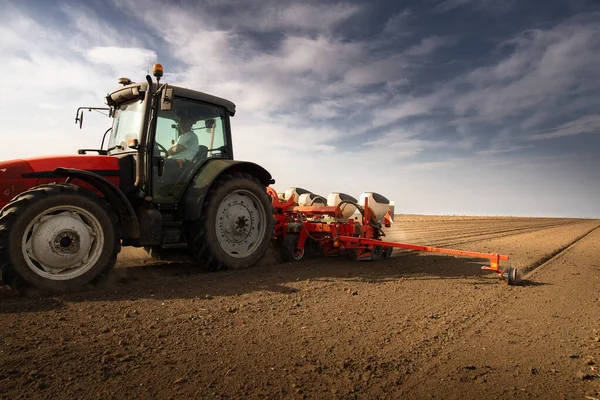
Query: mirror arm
point(79, 113)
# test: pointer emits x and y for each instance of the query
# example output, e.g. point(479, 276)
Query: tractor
point(166, 181)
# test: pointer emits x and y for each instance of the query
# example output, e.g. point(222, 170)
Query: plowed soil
point(415, 326)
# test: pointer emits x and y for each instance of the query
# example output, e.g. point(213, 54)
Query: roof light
point(124, 81)
point(157, 70)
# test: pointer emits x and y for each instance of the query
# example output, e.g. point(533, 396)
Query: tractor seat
point(200, 155)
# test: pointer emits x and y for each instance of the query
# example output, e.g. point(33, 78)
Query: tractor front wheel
point(57, 237)
point(236, 225)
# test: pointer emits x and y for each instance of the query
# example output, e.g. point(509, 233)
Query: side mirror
point(79, 118)
point(81, 110)
point(166, 103)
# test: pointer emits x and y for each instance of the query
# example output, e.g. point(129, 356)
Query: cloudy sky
point(472, 107)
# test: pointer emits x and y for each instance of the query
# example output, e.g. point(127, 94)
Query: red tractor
point(166, 180)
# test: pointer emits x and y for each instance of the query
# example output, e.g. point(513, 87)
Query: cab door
point(170, 172)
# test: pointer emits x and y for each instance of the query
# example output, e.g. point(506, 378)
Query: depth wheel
point(512, 276)
point(236, 224)
point(377, 253)
point(353, 254)
point(289, 248)
point(387, 252)
point(57, 237)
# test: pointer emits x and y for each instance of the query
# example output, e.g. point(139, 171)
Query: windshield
point(127, 125)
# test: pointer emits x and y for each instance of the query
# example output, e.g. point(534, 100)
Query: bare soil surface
point(415, 326)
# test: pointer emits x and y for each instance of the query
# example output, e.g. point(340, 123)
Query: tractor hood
point(102, 165)
point(19, 175)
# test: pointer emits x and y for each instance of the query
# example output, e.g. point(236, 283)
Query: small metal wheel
point(312, 247)
point(377, 253)
point(289, 248)
point(353, 254)
point(387, 253)
point(512, 276)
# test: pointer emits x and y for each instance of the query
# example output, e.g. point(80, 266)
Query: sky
point(454, 107)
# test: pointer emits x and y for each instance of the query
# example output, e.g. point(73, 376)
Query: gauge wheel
point(289, 248)
point(387, 254)
point(377, 252)
point(513, 276)
point(353, 254)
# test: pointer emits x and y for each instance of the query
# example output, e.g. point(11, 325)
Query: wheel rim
point(240, 223)
point(377, 252)
point(512, 276)
point(297, 254)
point(62, 243)
point(388, 252)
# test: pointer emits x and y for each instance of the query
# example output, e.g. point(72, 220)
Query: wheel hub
point(60, 241)
point(241, 224)
point(238, 224)
point(67, 242)
point(237, 221)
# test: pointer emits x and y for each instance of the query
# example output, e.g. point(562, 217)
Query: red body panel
point(37, 171)
point(87, 162)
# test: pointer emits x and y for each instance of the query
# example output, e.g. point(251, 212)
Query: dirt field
point(415, 326)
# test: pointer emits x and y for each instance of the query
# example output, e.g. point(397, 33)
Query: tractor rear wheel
point(57, 237)
point(236, 224)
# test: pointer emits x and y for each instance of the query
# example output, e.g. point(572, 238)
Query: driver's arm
point(181, 144)
point(176, 149)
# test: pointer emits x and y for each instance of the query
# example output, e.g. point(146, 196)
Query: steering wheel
point(162, 149)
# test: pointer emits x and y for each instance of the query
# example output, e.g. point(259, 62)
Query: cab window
point(185, 136)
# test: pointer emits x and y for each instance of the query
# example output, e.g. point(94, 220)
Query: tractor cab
point(171, 131)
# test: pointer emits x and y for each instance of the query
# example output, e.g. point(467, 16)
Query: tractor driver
point(187, 143)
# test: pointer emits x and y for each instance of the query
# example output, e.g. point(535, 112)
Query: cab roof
point(135, 89)
point(204, 97)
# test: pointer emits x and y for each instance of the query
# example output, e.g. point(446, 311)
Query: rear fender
point(194, 197)
point(129, 222)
